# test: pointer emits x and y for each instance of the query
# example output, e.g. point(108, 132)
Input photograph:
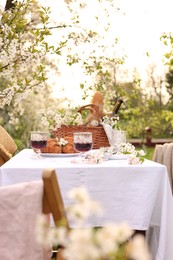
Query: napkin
point(20, 204)
point(108, 130)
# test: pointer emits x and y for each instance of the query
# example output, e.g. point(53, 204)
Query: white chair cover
point(20, 204)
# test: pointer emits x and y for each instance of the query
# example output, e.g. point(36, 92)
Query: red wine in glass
point(38, 141)
point(38, 144)
point(83, 147)
point(83, 141)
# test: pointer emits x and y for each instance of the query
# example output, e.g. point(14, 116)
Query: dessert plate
point(59, 154)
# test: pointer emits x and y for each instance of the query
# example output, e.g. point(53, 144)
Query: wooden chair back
point(52, 199)
point(7, 146)
point(53, 203)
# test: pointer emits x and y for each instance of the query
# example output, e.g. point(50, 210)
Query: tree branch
point(9, 5)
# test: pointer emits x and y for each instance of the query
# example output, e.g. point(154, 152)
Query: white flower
point(111, 236)
point(94, 123)
point(79, 194)
point(133, 159)
point(112, 121)
point(141, 153)
point(42, 230)
point(81, 245)
point(94, 157)
point(55, 119)
point(61, 141)
point(139, 248)
point(87, 243)
point(84, 206)
point(126, 148)
point(58, 235)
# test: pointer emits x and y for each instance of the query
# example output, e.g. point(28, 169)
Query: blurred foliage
point(140, 110)
point(149, 151)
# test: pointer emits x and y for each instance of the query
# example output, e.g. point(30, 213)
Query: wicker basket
point(99, 136)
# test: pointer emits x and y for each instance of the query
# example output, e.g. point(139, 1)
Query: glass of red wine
point(38, 141)
point(83, 142)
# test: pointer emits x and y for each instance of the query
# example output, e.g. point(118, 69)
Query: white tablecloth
point(138, 194)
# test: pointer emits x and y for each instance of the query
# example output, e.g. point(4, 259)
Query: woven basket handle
point(93, 110)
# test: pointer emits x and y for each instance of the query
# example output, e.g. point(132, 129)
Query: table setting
point(93, 138)
point(129, 187)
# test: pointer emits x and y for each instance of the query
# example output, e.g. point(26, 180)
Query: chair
point(52, 199)
point(7, 146)
point(53, 203)
point(164, 154)
point(20, 205)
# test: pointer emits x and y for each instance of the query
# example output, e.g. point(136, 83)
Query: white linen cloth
point(108, 130)
point(20, 205)
point(138, 194)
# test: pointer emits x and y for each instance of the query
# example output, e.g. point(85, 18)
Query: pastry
point(68, 148)
point(52, 146)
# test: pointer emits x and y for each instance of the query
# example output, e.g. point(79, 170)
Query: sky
point(141, 28)
point(138, 27)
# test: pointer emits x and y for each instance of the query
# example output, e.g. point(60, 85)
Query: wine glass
point(83, 142)
point(38, 140)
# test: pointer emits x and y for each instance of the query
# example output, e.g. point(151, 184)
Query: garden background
point(56, 57)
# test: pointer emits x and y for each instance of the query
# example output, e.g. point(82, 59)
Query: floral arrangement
point(111, 242)
point(126, 148)
point(137, 157)
point(94, 157)
point(55, 119)
point(112, 121)
point(134, 156)
point(105, 153)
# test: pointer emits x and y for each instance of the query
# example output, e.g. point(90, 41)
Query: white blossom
point(81, 245)
point(88, 243)
point(94, 123)
point(133, 159)
point(56, 119)
point(94, 157)
point(61, 141)
point(139, 249)
point(84, 206)
point(141, 153)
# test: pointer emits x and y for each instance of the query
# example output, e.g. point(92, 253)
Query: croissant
point(52, 146)
point(68, 148)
